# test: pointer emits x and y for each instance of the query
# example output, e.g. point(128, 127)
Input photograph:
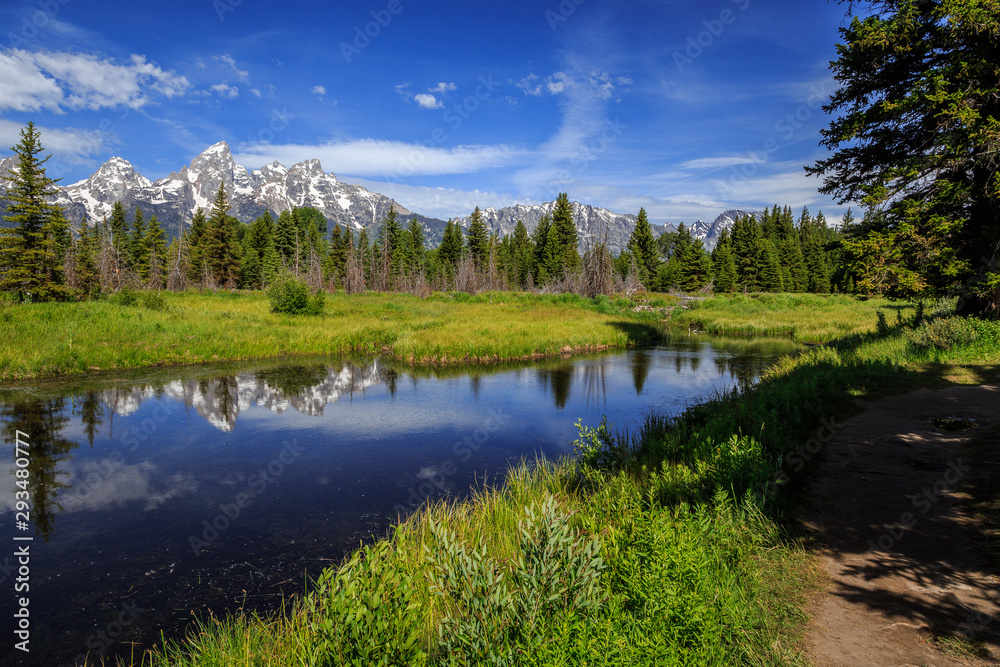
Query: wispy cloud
point(372, 157)
point(58, 81)
point(67, 141)
point(318, 90)
point(225, 90)
point(229, 60)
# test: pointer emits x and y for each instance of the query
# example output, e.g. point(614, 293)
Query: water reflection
point(125, 472)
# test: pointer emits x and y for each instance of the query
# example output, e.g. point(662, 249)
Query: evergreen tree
point(154, 253)
point(748, 252)
point(222, 252)
point(725, 266)
point(644, 248)
point(694, 266)
point(478, 239)
point(770, 273)
point(197, 239)
point(522, 254)
point(543, 260)
point(32, 250)
point(416, 243)
point(121, 237)
point(914, 135)
point(450, 250)
point(567, 255)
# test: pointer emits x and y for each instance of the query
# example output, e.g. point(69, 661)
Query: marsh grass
point(807, 317)
point(57, 339)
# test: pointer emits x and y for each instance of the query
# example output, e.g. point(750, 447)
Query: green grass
point(57, 339)
point(672, 546)
point(806, 317)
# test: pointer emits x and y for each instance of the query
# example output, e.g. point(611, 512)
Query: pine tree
point(450, 250)
point(417, 246)
point(155, 253)
point(770, 274)
point(121, 235)
point(724, 264)
point(694, 268)
point(32, 250)
point(523, 254)
point(748, 252)
point(644, 248)
point(478, 239)
point(222, 251)
point(197, 239)
point(543, 261)
point(567, 255)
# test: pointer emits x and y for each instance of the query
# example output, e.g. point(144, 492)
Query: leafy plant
point(291, 296)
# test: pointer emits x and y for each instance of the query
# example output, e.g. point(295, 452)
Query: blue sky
point(686, 109)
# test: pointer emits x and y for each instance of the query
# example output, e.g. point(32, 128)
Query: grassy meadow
point(673, 545)
point(814, 318)
point(56, 339)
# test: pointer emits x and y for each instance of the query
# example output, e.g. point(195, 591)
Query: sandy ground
point(897, 557)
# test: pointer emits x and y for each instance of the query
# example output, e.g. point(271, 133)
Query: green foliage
point(365, 612)
point(498, 612)
point(291, 296)
point(644, 248)
point(32, 250)
point(914, 136)
point(478, 239)
point(943, 333)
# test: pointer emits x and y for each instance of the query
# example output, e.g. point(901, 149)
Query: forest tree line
point(43, 258)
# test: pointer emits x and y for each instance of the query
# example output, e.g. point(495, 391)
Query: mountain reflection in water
point(129, 475)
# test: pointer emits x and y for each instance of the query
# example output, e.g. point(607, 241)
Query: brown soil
point(903, 575)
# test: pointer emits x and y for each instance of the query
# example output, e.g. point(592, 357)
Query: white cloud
point(255, 91)
point(229, 60)
point(56, 81)
point(442, 203)
point(427, 101)
point(396, 159)
point(69, 141)
point(319, 90)
point(717, 162)
point(225, 90)
point(443, 87)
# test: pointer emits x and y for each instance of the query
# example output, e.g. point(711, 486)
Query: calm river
point(163, 496)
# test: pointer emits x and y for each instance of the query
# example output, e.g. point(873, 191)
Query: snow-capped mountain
point(594, 224)
point(221, 400)
point(709, 233)
point(277, 188)
point(175, 199)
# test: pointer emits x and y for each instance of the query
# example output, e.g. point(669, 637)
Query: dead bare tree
point(354, 276)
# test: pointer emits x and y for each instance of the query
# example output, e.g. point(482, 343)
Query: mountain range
point(276, 188)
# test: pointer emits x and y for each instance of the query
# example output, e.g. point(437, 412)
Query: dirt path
point(898, 560)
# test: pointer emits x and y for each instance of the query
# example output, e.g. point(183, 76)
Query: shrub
point(942, 333)
point(291, 296)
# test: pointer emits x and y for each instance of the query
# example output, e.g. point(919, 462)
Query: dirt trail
point(898, 559)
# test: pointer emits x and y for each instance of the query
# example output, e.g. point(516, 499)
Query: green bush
point(943, 333)
point(291, 296)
